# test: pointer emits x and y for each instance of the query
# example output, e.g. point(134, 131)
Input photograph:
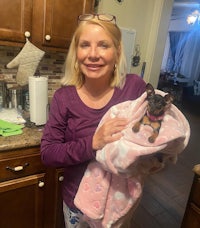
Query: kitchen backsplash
point(50, 66)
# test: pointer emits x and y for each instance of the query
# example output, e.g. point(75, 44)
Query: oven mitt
point(8, 129)
point(27, 62)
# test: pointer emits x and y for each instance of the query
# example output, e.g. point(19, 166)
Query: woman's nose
point(94, 53)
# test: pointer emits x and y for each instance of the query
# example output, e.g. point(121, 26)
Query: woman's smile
point(94, 67)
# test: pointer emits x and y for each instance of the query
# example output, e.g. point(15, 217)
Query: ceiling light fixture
point(194, 18)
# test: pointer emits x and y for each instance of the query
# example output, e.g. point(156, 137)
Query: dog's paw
point(136, 127)
point(151, 139)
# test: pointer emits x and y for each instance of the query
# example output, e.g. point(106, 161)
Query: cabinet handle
point(47, 37)
point(27, 34)
point(17, 168)
point(41, 184)
point(61, 178)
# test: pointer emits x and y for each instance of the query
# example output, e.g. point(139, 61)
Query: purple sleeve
point(56, 151)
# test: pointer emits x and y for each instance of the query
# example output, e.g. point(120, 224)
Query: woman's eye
point(104, 45)
point(83, 45)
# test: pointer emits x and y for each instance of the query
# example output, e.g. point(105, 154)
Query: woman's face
point(96, 53)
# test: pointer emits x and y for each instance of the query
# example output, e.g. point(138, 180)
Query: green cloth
point(8, 129)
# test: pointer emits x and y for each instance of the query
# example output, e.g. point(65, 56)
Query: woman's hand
point(109, 132)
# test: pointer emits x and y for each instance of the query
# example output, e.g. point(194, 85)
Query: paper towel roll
point(38, 98)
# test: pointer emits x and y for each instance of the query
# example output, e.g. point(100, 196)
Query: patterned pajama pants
point(73, 218)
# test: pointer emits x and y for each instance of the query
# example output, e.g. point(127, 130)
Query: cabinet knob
point(41, 184)
point(61, 178)
point(17, 168)
point(27, 34)
point(47, 37)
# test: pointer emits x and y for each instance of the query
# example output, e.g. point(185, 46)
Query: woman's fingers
point(109, 132)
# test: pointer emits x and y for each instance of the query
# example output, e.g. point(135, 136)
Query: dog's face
point(157, 104)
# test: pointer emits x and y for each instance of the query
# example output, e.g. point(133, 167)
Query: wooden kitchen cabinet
point(191, 217)
point(59, 217)
point(15, 19)
point(21, 202)
point(50, 23)
point(22, 192)
point(54, 204)
point(30, 193)
point(56, 20)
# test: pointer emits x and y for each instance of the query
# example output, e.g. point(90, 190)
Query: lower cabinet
point(22, 202)
point(30, 194)
point(191, 217)
point(53, 211)
point(58, 199)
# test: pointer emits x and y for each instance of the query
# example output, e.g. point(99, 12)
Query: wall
point(50, 66)
point(150, 19)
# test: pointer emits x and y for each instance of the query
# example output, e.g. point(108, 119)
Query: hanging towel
point(8, 129)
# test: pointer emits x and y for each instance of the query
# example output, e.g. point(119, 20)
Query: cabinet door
point(59, 200)
point(22, 202)
point(192, 217)
point(60, 20)
point(53, 206)
point(15, 19)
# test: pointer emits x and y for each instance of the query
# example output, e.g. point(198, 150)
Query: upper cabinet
point(56, 20)
point(49, 24)
point(16, 18)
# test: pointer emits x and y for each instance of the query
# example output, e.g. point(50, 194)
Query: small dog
point(157, 105)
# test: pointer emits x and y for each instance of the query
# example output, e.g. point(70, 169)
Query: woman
point(95, 79)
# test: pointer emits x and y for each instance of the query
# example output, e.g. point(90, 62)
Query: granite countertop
point(29, 137)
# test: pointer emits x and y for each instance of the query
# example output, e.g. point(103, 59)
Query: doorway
point(180, 70)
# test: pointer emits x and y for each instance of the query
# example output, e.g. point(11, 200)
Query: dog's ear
point(150, 90)
point(168, 100)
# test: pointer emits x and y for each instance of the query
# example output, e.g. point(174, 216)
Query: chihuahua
point(157, 105)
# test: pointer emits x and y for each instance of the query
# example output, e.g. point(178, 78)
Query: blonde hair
point(73, 75)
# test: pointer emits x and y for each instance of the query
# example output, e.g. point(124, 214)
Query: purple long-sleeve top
point(68, 133)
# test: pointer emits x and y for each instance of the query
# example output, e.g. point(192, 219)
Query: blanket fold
point(112, 185)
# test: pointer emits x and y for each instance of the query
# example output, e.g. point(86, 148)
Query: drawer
point(21, 166)
point(195, 194)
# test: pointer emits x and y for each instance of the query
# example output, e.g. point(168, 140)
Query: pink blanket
point(112, 185)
